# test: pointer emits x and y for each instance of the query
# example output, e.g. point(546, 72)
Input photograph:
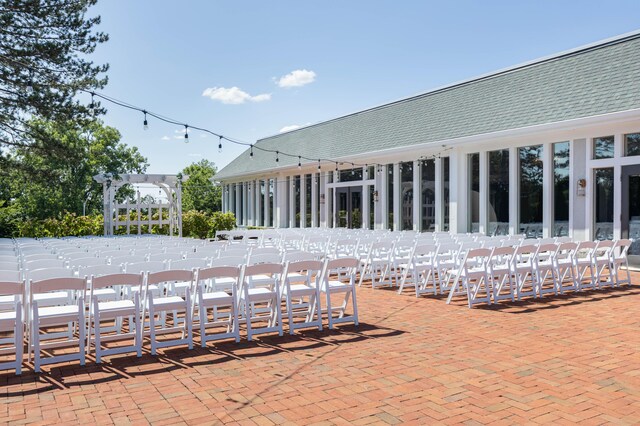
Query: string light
point(145, 123)
point(186, 134)
point(93, 105)
point(299, 162)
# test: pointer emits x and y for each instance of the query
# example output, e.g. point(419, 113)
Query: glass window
point(349, 175)
point(428, 193)
point(498, 214)
point(632, 144)
point(307, 201)
point(604, 204)
point(603, 147)
point(372, 205)
point(390, 195)
point(298, 210)
point(445, 192)
point(561, 189)
point(372, 172)
point(474, 192)
point(240, 214)
point(531, 191)
point(406, 195)
point(271, 218)
point(316, 182)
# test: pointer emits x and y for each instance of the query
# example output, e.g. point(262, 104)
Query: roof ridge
point(503, 71)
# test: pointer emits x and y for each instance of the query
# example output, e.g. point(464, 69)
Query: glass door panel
point(631, 211)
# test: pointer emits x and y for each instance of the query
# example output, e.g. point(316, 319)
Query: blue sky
point(267, 65)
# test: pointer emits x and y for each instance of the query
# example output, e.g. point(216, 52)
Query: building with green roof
point(546, 148)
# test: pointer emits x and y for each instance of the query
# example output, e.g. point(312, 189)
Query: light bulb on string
point(92, 105)
point(277, 156)
point(319, 168)
point(251, 152)
point(145, 123)
point(299, 162)
point(186, 134)
point(220, 143)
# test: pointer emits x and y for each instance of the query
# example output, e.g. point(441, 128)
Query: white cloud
point(297, 78)
point(233, 95)
point(289, 128)
point(292, 127)
point(166, 138)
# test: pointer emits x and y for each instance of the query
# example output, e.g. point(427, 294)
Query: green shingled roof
point(596, 80)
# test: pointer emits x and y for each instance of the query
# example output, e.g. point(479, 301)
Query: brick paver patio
point(558, 360)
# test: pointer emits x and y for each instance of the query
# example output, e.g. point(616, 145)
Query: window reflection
point(306, 208)
point(531, 191)
point(406, 194)
point(474, 192)
point(632, 144)
point(298, 211)
point(561, 189)
point(390, 195)
point(603, 147)
point(428, 199)
point(604, 204)
point(445, 192)
point(498, 213)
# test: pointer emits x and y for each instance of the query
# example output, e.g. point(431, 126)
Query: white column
point(483, 193)
point(238, 200)
point(366, 202)
point(514, 192)
point(324, 199)
point(383, 198)
point(334, 205)
point(256, 203)
point(397, 192)
point(439, 195)
point(280, 189)
point(578, 228)
point(547, 190)
point(458, 192)
point(303, 201)
point(245, 203)
point(314, 200)
point(417, 196)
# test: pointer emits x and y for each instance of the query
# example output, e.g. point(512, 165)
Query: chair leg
point(152, 328)
point(19, 342)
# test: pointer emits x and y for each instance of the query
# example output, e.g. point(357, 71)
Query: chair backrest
point(166, 256)
point(297, 256)
point(265, 250)
point(47, 273)
point(620, 248)
point(9, 266)
point(128, 259)
point(502, 255)
point(342, 263)
point(77, 255)
point(138, 267)
point(228, 261)
point(235, 252)
point(9, 258)
point(264, 258)
point(44, 263)
point(87, 261)
point(263, 269)
point(10, 276)
point(170, 275)
point(110, 280)
point(219, 272)
point(38, 257)
point(188, 264)
point(99, 270)
point(303, 266)
point(57, 284)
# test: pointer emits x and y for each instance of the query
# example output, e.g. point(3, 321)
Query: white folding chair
point(116, 311)
point(500, 275)
point(256, 291)
point(207, 298)
point(602, 263)
point(70, 314)
point(377, 265)
point(420, 271)
point(584, 265)
point(162, 304)
point(339, 277)
point(544, 267)
point(565, 271)
point(11, 305)
point(474, 277)
point(619, 261)
point(302, 293)
point(447, 264)
point(523, 272)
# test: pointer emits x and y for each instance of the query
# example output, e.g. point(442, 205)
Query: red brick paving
point(559, 360)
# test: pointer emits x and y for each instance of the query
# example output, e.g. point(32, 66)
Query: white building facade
point(547, 148)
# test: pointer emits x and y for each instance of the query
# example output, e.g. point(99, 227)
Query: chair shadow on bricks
point(530, 305)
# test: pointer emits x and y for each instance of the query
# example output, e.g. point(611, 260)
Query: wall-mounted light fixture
point(581, 187)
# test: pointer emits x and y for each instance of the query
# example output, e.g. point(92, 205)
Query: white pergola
point(170, 184)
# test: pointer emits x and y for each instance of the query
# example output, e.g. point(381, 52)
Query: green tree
point(198, 192)
point(66, 183)
point(44, 65)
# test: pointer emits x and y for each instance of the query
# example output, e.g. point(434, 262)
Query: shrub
point(222, 222)
point(196, 224)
